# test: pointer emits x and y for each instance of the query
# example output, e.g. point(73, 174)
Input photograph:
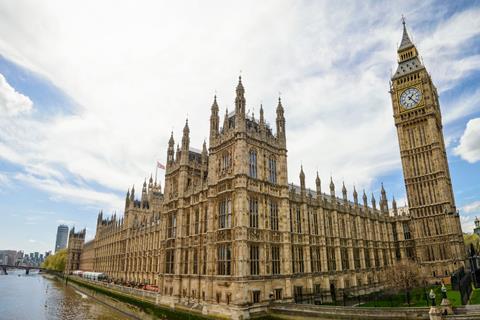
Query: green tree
point(471, 238)
point(56, 261)
point(404, 276)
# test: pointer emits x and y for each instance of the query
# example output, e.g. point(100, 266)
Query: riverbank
point(41, 297)
point(125, 309)
point(135, 307)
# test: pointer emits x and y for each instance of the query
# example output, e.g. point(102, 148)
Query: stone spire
point(214, 119)
point(318, 185)
point(383, 200)
point(262, 119)
point(408, 61)
point(127, 199)
point(225, 121)
point(177, 156)
point(406, 42)
point(344, 192)
point(171, 150)
point(332, 188)
point(374, 203)
point(355, 196)
point(280, 121)
point(394, 206)
point(302, 178)
point(240, 106)
point(186, 137)
point(204, 152)
point(132, 194)
point(365, 200)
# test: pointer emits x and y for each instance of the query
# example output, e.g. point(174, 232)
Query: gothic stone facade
point(230, 233)
point(74, 251)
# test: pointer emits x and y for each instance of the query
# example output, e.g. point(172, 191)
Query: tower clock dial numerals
point(410, 98)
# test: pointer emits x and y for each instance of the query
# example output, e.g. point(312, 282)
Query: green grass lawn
point(417, 298)
point(475, 298)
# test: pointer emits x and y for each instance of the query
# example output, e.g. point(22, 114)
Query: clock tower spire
point(416, 109)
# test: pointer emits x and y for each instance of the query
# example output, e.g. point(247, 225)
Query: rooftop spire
point(240, 88)
point(171, 142)
point(406, 42)
point(215, 104)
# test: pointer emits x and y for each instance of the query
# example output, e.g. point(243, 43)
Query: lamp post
point(432, 297)
point(444, 291)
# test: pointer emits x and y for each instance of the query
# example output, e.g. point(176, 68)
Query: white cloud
point(11, 101)
point(4, 180)
point(68, 192)
point(139, 70)
point(464, 105)
point(472, 207)
point(469, 146)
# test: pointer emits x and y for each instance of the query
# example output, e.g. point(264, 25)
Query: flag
point(160, 166)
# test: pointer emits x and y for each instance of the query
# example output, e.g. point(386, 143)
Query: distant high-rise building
point(62, 237)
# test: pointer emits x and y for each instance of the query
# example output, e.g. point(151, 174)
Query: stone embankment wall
point(302, 311)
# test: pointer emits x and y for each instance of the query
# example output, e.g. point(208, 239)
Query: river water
point(37, 296)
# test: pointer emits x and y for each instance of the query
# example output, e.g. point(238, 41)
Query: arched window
point(272, 170)
point(252, 163)
point(225, 214)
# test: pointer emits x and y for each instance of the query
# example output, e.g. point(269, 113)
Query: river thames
point(38, 296)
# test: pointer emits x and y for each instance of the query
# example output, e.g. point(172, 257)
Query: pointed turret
point(344, 192)
point(240, 106)
point(170, 150)
point(177, 155)
point(394, 206)
point(204, 152)
point(127, 199)
point(225, 121)
point(214, 119)
point(332, 188)
point(383, 200)
point(364, 198)
point(132, 194)
point(406, 42)
point(408, 61)
point(318, 185)
point(262, 119)
point(302, 179)
point(144, 198)
point(280, 121)
point(186, 137)
point(355, 196)
point(374, 203)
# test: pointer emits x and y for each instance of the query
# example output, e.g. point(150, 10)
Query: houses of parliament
point(230, 233)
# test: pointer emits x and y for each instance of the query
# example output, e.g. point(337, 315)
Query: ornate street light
point(444, 291)
point(432, 297)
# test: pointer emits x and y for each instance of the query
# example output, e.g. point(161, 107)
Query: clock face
point(410, 98)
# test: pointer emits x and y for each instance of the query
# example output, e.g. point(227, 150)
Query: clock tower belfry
point(436, 223)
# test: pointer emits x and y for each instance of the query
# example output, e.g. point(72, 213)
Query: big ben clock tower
point(438, 237)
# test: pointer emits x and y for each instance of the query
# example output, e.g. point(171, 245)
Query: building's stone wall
point(87, 258)
point(74, 250)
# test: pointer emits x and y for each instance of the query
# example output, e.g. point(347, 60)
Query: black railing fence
point(361, 295)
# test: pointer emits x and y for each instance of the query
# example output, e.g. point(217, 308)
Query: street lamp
point(432, 297)
point(444, 291)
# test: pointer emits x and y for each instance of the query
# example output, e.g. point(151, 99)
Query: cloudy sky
point(89, 92)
